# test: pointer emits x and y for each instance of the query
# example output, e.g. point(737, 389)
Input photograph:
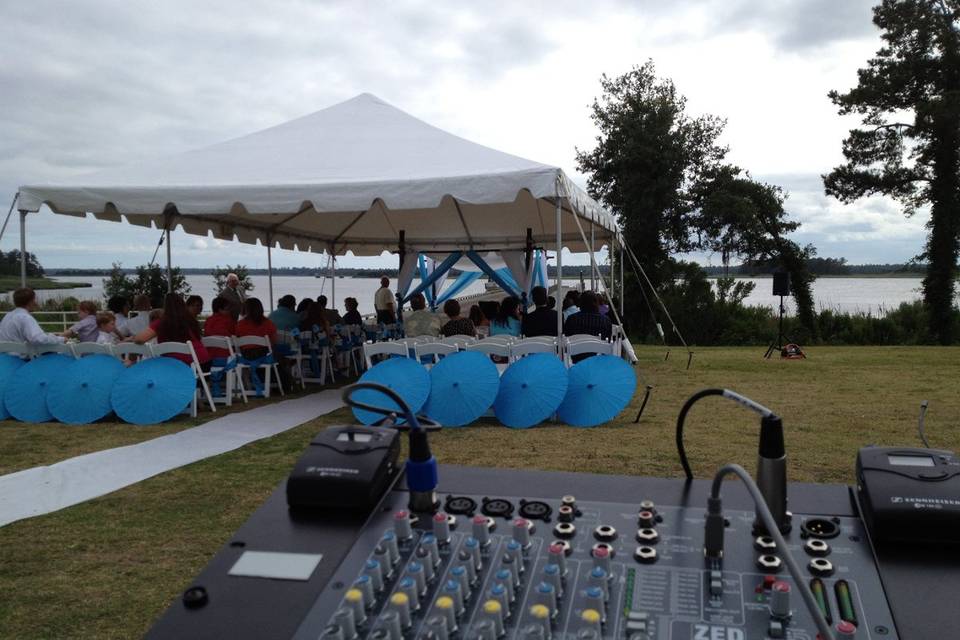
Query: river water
point(865, 295)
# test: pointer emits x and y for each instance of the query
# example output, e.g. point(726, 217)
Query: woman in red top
point(254, 323)
point(176, 325)
point(221, 323)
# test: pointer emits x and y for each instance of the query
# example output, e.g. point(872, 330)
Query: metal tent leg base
point(643, 405)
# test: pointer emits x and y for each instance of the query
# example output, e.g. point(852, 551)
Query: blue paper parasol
point(405, 376)
point(153, 390)
point(462, 387)
point(600, 387)
point(83, 393)
point(26, 394)
point(531, 389)
point(8, 365)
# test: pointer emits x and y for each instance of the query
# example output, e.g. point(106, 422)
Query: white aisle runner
point(41, 490)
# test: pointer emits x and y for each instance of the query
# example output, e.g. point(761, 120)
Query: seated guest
point(571, 303)
point(141, 314)
point(352, 316)
point(254, 323)
point(477, 317)
point(421, 321)
point(316, 318)
point(176, 324)
point(107, 326)
point(303, 308)
point(507, 322)
point(284, 317)
point(85, 330)
point(588, 320)
point(20, 326)
point(457, 325)
point(195, 305)
point(330, 314)
point(119, 306)
point(541, 321)
point(220, 323)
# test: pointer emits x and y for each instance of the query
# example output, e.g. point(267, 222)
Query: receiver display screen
point(910, 461)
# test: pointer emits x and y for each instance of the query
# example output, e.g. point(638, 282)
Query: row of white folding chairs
point(297, 356)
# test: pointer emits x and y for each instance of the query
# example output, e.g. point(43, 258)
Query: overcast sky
point(90, 85)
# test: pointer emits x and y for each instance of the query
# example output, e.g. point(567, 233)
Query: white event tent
point(360, 176)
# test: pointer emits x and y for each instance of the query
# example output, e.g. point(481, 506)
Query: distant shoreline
point(11, 283)
point(767, 276)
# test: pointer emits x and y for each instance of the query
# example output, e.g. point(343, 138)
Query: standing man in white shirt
point(234, 295)
point(385, 303)
point(20, 326)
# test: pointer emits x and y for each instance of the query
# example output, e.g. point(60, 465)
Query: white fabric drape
point(516, 262)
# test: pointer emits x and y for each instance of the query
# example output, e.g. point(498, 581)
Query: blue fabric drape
point(464, 280)
point(439, 271)
point(218, 371)
point(255, 365)
point(494, 274)
point(508, 278)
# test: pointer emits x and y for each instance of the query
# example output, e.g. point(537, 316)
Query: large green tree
point(663, 174)
point(908, 147)
point(150, 279)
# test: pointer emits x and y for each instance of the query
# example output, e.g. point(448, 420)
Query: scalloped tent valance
point(350, 177)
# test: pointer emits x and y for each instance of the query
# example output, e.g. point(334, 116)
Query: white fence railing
point(56, 321)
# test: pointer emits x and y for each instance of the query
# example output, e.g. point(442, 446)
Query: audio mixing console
point(623, 559)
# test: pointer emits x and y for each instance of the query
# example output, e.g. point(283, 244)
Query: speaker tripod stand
point(778, 345)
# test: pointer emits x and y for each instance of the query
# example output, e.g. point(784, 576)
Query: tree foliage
point(220, 277)
point(662, 173)
point(150, 279)
point(908, 148)
point(10, 264)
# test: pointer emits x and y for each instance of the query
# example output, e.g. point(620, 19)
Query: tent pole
point(333, 277)
point(169, 262)
point(559, 264)
point(612, 251)
point(593, 263)
point(23, 248)
point(621, 279)
point(270, 268)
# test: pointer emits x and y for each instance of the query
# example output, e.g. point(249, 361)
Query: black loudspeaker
point(781, 283)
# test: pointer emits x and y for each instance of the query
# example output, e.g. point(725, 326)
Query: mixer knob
point(429, 543)
point(441, 527)
point(472, 547)
point(344, 618)
point(402, 525)
point(459, 573)
point(454, 592)
point(365, 585)
point(515, 550)
point(600, 579)
point(332, 632)
point(380, 555)
point(390, 621)
point(547, 596)
point(509, 563)
point(408, 587)
point(646, 519)
point(464, 558)
point(493, 611)
point(400, 604)
point(354, 600)
point(591, 620)
point(780, 600)
point(539, 629)
point(436, 627)
point(481, 529)
point(551, 575)
point(484, 630)
point(417, 572)
point(521, 531)
point(558, 556)
point(601, 557)
point(389, 542)
point(500, 593)
point(447, 610)
point(505, 577)
point(595, 601)
point(375, 571)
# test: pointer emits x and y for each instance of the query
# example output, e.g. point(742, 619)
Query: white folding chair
point(433, 350)
point(501, 338)
point(587, 346)
point(316, 342)
point(39, 349)
point(490, 347)
point(233, 381)
point(371, 349)
point(124, 351)
point(21, 349)
point(459, 341)
point(270, 369)
point(526, 347)
point(186, 349)
point(81, 349)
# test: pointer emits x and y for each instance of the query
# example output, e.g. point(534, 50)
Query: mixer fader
point(492, 567)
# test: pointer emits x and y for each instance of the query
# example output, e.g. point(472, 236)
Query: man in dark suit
point(541, 321)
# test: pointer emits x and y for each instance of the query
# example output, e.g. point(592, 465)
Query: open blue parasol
point(153, 390)
point(600, 387)
point(531, 389)
point(405, 376)
point(462, 387)
point(8, 365)
point(25, 396)
point(83, 393)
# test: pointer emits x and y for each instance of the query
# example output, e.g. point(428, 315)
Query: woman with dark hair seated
point(352, 316)
point(176, 324)
point(316, 317)
point(507, 322)
point(195, 305)
point(254, 323)
point(457, 325)
point(220, 323)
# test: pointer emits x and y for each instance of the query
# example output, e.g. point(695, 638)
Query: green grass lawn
point(9, 283)
point(109, 567)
